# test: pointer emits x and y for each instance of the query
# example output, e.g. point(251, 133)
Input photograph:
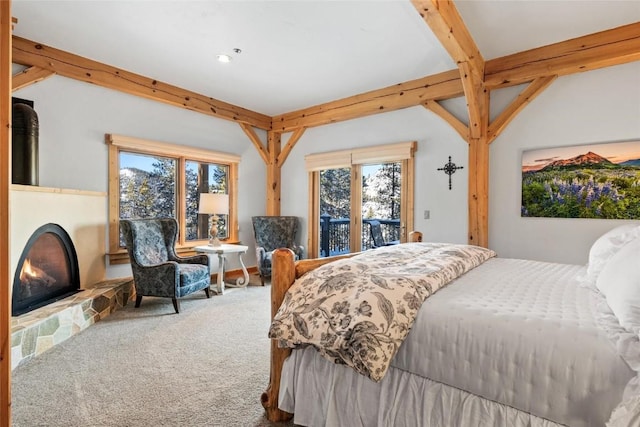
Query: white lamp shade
point(212, 203)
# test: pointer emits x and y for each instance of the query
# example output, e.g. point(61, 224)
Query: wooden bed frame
point(285, 270)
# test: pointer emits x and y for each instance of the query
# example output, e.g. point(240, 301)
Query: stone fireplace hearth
point(39, 330)
point(83, 215)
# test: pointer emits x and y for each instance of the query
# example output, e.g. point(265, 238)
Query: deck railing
point(334, 234)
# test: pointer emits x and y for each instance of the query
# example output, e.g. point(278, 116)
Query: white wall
point(592, 107)
point(436, 141)
point(596, 106)
point(74, 117)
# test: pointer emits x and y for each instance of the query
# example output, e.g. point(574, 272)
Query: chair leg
point(176, 304)
point(208, 292)
point(262, 280)
point(138, 300)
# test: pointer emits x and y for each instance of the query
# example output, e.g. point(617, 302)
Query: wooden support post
point(478, 192)
point(273, 173)
point(478, 104)
point(5, 181)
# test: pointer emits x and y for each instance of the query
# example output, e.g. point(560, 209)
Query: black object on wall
point(450, 168)
point(24, 147)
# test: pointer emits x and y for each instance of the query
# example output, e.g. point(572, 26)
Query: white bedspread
point(521, 335)
point(358, 311)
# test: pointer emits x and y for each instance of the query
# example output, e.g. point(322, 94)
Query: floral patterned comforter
point(358, 311)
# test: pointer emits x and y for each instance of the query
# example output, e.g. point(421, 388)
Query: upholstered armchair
point(157, 270)
point(271, 233)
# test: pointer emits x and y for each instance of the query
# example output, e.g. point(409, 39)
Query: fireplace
point(47, 270)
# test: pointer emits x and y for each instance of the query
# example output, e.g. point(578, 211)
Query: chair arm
point(298, 250)
point(194, 259)
point(260, 254)
point(160, 280)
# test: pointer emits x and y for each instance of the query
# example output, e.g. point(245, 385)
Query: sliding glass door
point(335, 211)
point(360, 198)
point(381, 204)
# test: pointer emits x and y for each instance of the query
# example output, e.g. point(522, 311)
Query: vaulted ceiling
point(296, 54)
point(332, 61)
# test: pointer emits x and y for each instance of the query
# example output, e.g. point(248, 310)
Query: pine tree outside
point(381, 199)
point(148, 190)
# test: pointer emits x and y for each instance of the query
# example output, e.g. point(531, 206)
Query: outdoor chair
point(271, 233)
point(377, 237)
point(157, 270)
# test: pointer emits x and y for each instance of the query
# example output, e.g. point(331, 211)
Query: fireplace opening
point(47, 270)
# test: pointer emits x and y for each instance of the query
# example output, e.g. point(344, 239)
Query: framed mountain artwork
point(585, 181)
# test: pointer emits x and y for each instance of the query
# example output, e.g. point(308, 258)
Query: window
point(361, 198)
point(149, 179)
point(204, 178)
point(147, 186)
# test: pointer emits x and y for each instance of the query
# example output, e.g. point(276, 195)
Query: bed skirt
point(320, 393)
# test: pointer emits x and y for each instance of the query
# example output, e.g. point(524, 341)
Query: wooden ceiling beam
point(29, 53)
point(403, 95)
point(534, 89)
point(607, 48)
point(447, 25)
point(29, 76)
point(473, 92)
point(612, 47)
point(282, 157)
point(456, 124)
point(253, 136)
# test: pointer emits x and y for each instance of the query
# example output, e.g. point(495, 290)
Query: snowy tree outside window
point(148, 189)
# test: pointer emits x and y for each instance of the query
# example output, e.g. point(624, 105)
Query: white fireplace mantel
point(83, 215)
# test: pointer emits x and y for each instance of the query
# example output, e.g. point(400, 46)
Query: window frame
point(403, 152)
point(182, 154)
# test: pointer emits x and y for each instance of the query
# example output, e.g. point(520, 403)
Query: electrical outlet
point(427, 214)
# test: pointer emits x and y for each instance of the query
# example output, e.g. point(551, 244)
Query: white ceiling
point(296, 54)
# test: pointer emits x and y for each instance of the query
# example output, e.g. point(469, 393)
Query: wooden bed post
point(283, 274)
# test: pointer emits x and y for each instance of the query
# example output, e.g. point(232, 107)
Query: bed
point(507, 343)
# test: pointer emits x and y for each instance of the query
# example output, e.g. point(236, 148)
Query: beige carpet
point(206, 366)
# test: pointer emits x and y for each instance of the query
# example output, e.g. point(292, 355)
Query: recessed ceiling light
point(223, 57)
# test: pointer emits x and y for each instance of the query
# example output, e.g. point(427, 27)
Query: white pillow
point(619, 281)
point(607, 245)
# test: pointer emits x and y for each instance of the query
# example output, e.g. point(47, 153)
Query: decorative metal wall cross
point(450, 168)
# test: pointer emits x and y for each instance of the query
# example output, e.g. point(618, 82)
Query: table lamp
point(214, 204)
